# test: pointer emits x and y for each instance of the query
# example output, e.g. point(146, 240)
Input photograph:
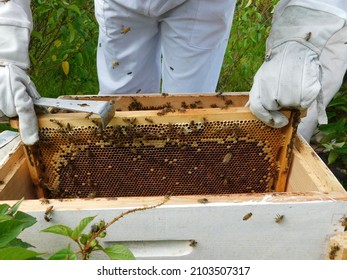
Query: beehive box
point(222, 225)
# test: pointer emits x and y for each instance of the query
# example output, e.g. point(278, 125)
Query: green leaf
point(341, 150)
point(333, 155)
point(59, 229)
point(119, 252)
point(57, 43)
point(17, 253)
point(15, 207)
point(82, 225)
point(72, 32)
point(337, 101)
point(9, 230)
point(66, 67)
point(60, 11)
point(249, 3)
point(5, 218)
point(79, 59)
point(19, 243)
point(63, 254)
point(75, 9)
point(328, 146)
point(25, 218)
point(339, 145)
point(37, 35)
point(4, 208)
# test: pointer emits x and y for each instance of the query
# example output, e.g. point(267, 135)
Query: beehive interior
point(153, 153)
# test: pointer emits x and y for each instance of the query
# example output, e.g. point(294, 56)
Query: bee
point(308, 36)
point(269, 185)
point(247, 216)
point(162, 113)
point(92, 195)
point(193, 243)
point(198, 102)
point(129, 120)
point(228, 102)
point(88, 153)
point(138, 91)
point(88, 115)
point(69, 127)
point(129, 73)
point(57, 123)
point(149, 120)
point(219, 93)
point(125, 29)
point(224, 107)
point(225, 181)
point(115, 64)
point(227, 158)
point(268, 55)
point(171, 68)
point(182, 110)
point(48, 213)
point(279, 218)
point(203, 200)
point(333, 251)
point(344, 221)
point(164, 94)
point(214, 105)
point(44, 200)
point(184, 105)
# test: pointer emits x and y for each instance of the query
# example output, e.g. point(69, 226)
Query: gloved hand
point(294, 67)
point(16, 88)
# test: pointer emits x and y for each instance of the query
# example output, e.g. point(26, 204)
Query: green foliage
point(87, 243)
point(246, 47)
point(63, 47)
point(13, 222)
point(335, 132)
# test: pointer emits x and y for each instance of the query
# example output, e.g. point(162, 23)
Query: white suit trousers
point(173, 46)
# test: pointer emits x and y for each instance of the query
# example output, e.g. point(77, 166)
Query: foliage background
point(63, 59)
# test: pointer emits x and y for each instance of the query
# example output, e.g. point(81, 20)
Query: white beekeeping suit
point(305, 62)
point(183, 42)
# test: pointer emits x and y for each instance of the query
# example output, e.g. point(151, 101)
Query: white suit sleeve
point(16, 88)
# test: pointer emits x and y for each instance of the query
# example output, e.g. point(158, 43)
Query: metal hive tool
point(158, 145)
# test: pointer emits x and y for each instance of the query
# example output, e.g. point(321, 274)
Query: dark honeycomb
point(198, 157)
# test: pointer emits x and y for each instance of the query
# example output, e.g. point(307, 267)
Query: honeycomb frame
point(202, 144)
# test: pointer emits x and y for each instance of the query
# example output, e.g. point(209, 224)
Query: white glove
point(291, 76)
point(16, 88)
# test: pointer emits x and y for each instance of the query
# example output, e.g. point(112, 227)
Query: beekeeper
point(182, 43)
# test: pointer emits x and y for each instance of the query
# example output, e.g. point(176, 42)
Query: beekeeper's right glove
point(292, 74)
point(16, 88)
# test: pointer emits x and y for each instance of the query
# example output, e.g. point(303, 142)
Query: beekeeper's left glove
point(16, 88)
